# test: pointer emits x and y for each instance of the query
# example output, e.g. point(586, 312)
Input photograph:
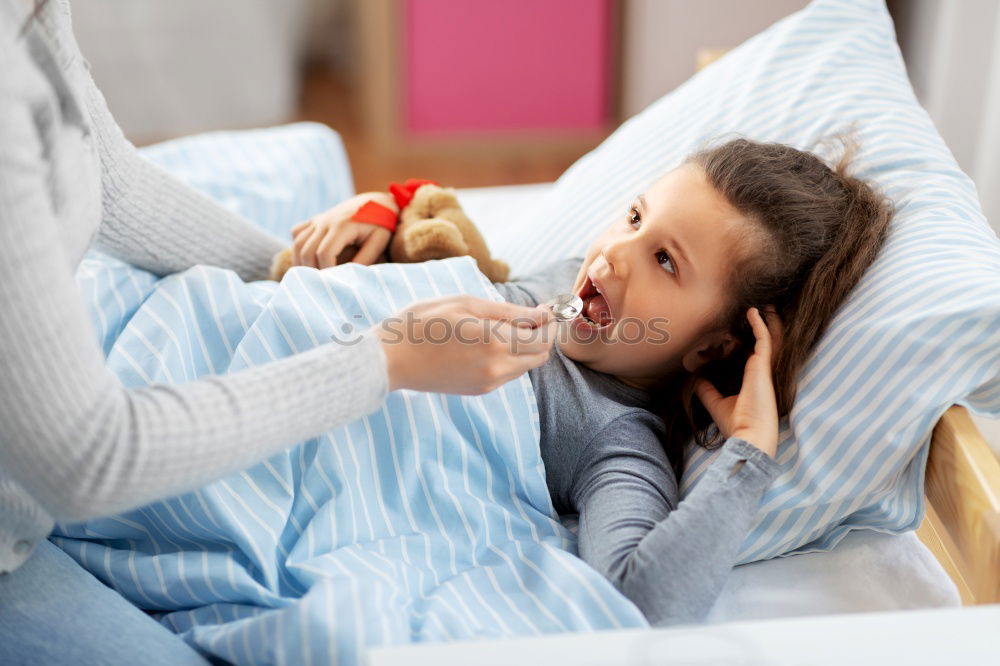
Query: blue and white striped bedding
point(428, 520)
point(921, 331)
point(266, 567)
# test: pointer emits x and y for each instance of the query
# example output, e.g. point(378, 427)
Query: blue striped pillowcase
point(921, 331)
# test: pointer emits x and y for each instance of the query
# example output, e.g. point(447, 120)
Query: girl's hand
point(318, 241)
point(465, 345)
point(753, 413)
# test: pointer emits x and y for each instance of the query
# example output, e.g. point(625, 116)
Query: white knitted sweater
point(74, 442)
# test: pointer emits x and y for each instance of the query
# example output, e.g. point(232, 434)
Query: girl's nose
point(615, 254)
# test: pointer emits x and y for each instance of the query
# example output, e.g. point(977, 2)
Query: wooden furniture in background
point(543, 81)
point(705, 57)
point(328, 97)
point(962, 525)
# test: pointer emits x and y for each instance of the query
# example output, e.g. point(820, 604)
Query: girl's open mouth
point(596, 309)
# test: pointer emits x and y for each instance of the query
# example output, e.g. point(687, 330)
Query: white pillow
point(922, 329)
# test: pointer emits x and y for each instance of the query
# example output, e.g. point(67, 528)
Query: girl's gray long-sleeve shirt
point(74, 442)
point(604, 461)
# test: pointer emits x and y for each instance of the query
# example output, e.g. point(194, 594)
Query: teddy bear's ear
point(434, 226)
point(423, 205)
point(439, 199)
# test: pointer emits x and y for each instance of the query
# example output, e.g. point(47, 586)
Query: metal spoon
point(566, 307)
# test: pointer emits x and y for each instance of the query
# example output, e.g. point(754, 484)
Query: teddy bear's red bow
point(379, 215)
point(404, 193)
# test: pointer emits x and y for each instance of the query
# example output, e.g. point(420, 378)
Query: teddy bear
point(432, 225)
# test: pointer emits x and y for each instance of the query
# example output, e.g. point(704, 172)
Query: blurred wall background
point(952, 53)
point(184, 66)
point(662, 39)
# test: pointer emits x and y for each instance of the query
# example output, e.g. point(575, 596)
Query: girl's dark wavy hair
point(39, 5)
point(814, 230)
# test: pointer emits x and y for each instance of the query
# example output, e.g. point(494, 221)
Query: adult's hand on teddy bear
point(319, 241)
point(464, 345)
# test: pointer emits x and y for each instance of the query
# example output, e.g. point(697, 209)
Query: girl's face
point(661, 270)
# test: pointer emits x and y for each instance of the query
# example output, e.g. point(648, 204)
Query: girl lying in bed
point(673, 293)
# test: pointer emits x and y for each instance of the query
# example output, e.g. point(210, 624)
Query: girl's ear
point(714, 346)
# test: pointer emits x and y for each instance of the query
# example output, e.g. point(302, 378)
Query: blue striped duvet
point(372, 535)
point(428, 520)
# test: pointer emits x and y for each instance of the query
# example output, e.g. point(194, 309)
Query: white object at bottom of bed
point(923, 637)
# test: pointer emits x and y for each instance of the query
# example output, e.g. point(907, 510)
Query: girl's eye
point(664, 260)
point(662, 257)
point(633, 218)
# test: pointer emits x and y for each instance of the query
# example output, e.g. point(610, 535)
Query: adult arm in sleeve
point(73, 436)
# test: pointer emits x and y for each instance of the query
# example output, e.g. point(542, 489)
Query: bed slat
point(962, 485)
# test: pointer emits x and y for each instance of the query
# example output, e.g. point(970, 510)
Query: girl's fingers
point(709, 396)
point(331, 247)
point(299, 227)
point(763, 344)
point(757, 372)
point(308, 252)
point(297, 246)
point(372, 247)
point(757, 383)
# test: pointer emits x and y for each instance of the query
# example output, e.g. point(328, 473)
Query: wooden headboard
point(962, 525)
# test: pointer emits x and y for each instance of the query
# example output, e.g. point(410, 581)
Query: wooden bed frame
point(962, 525)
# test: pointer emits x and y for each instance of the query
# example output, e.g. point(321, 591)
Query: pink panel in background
point(479, 65)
